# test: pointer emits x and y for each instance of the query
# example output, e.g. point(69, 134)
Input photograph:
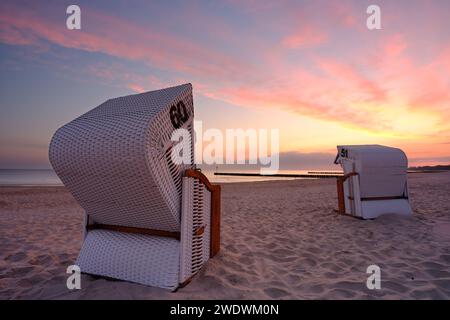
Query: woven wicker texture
point(196, 213)
point(115, 159)
point(143, 259)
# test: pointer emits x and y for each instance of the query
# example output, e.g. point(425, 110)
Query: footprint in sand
point(427, 294)
point(307, 263)
point(438, 273)
point(350, 285)
point(293, 278)
point(246, 260)
point(42, 260)
point(275, 293)
point(445, 257)
point(394, 286)
point(342, 294)
point(16, 257)
point(235, 279)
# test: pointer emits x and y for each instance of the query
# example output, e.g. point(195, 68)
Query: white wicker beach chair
point(147, 219)
point(374, 181)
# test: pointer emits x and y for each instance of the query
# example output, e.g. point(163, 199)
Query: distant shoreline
point(441, 168)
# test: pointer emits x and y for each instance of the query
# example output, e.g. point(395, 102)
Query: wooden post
point(340, 190)
point(215, 221)
point(215, 190)
point(340, 194)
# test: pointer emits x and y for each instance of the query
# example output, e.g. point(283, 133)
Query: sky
point(312, 69)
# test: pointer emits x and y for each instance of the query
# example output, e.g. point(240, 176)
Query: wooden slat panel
point(340, 190)
point(340, 194)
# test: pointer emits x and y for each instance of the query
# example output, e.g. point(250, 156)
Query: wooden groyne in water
point(310, 174)
point(281, 175)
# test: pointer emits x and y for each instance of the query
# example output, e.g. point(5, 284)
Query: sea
point(47, 177)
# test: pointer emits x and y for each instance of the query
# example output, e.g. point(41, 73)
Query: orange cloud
point(348, 78)
point(288, 98)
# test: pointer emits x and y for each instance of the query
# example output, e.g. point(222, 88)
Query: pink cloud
point(13, 36)
point(307, 37)
point(111, 35)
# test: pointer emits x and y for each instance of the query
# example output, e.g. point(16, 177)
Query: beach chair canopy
point(115, 159)
point(140, 206)
point(373, 173)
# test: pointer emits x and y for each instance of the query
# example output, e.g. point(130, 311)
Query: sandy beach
point(280, 240)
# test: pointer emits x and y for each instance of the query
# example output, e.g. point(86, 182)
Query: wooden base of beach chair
point(346, 214)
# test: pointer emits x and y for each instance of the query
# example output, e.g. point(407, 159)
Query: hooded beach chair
point(148, 219)
point(374, 181)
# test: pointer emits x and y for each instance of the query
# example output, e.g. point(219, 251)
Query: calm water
point(49, 178)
